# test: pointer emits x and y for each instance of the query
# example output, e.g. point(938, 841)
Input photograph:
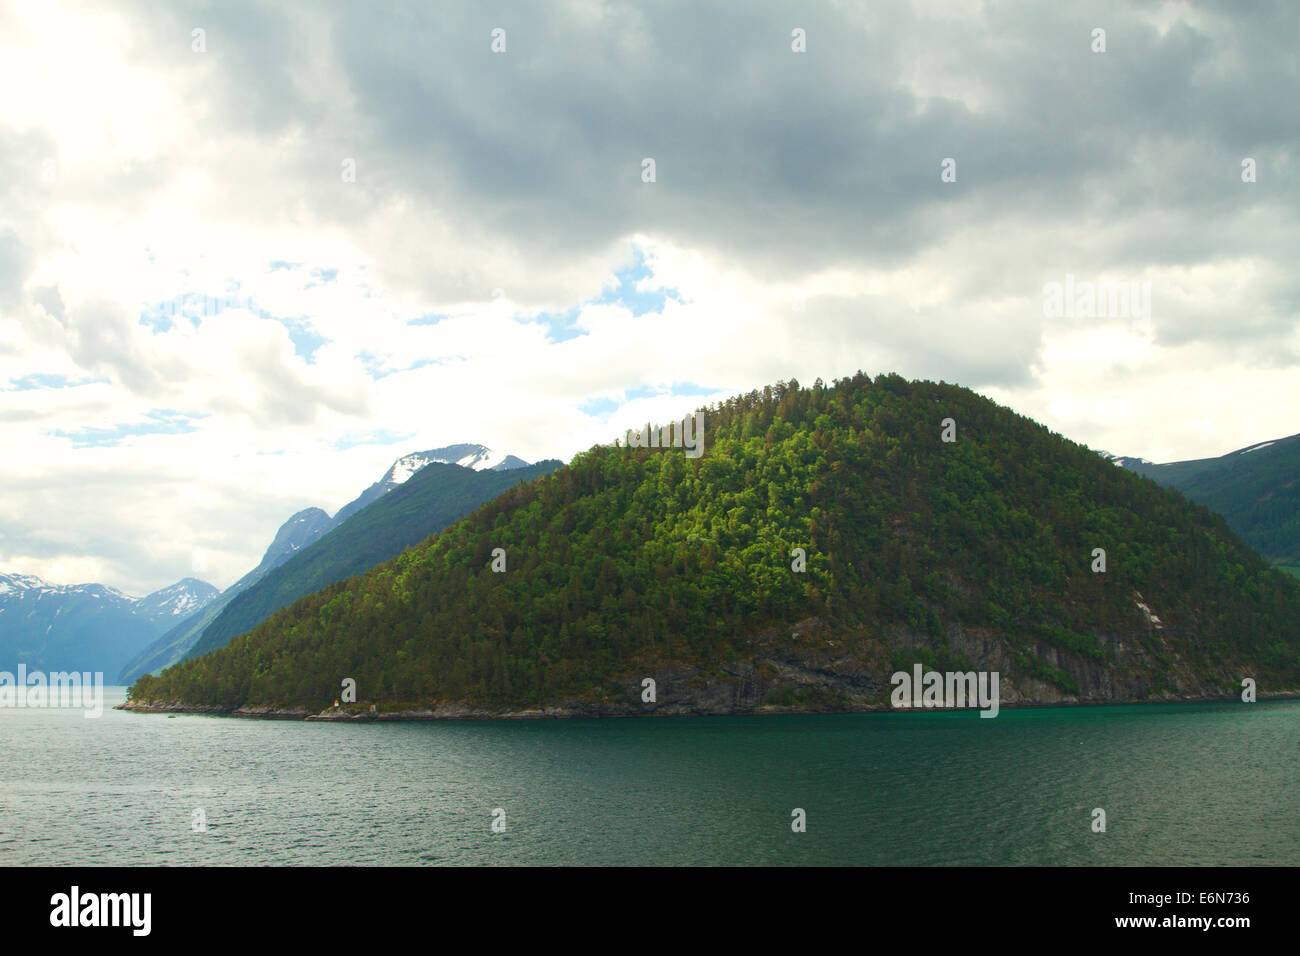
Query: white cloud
point(134, 172)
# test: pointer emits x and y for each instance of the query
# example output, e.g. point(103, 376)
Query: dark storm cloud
point(782, 163)
point(794, 159)
point(805, 160)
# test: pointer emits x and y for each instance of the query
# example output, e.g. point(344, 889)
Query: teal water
point(1180, 784)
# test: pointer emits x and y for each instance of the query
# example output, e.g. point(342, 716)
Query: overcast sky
point(243, 269)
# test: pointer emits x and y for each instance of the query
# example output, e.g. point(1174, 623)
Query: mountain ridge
point(86, 627)
point(634, 563)
point(1256, 488)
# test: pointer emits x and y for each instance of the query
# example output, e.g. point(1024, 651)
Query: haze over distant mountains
point(86, 627)
point(307, 527)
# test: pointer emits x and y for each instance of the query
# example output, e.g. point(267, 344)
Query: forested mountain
point(85, 627)
point(1256, 488)
point(640, 562)
point(433, 498)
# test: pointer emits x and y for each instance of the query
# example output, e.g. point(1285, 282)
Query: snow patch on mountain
point(1124, 461)
point(21, 582)
point(184, 597)
point(477, 457)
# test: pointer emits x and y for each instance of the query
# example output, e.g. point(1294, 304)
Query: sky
point(251, 253)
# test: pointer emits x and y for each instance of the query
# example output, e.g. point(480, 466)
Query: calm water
point(1181, 784)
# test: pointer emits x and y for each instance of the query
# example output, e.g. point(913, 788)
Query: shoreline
point(576, 711)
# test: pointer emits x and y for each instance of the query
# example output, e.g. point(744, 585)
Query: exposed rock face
point(808, 670)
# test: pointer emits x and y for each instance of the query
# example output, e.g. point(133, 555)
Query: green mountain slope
point(633, 563)
point(1257, 489)
point(300, 530)
point(431, 499)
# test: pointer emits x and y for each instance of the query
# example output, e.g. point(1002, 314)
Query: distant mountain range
point(1256, 489)
point(86, 627)
point(362, 546)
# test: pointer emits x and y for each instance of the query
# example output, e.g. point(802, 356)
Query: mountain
point(85, 627)
point(474, 457)
point(825, 539)
point(298, 533)
point(185, 597)
point(295, 534)
point(301, 530)
point(1256, 488)
point(419, 506)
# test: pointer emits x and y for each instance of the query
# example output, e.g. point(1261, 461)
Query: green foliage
point(431, 499)
point(637, 554)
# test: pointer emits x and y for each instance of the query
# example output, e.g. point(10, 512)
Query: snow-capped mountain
point(24, 586)
point(295, 534)
point(20, 582)
point(85, 627)
point(476, 457)
point(180, 600)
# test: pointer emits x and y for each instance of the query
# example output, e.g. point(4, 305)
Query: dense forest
point(630, 555)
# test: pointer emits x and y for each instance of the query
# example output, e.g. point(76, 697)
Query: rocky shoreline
point(460, 711)
point(813, 670)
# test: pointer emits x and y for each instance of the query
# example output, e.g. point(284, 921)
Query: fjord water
point(1180, 784)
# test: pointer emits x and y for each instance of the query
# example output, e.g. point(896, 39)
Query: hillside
point(1256, 488)
point(431, 499)
point(636, 562)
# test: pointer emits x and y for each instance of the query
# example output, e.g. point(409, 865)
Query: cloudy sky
point(250, 253)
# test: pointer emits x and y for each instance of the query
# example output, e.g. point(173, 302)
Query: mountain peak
point(181, 599)
point(20, 582)
point(300, 530)
point(467, 455)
